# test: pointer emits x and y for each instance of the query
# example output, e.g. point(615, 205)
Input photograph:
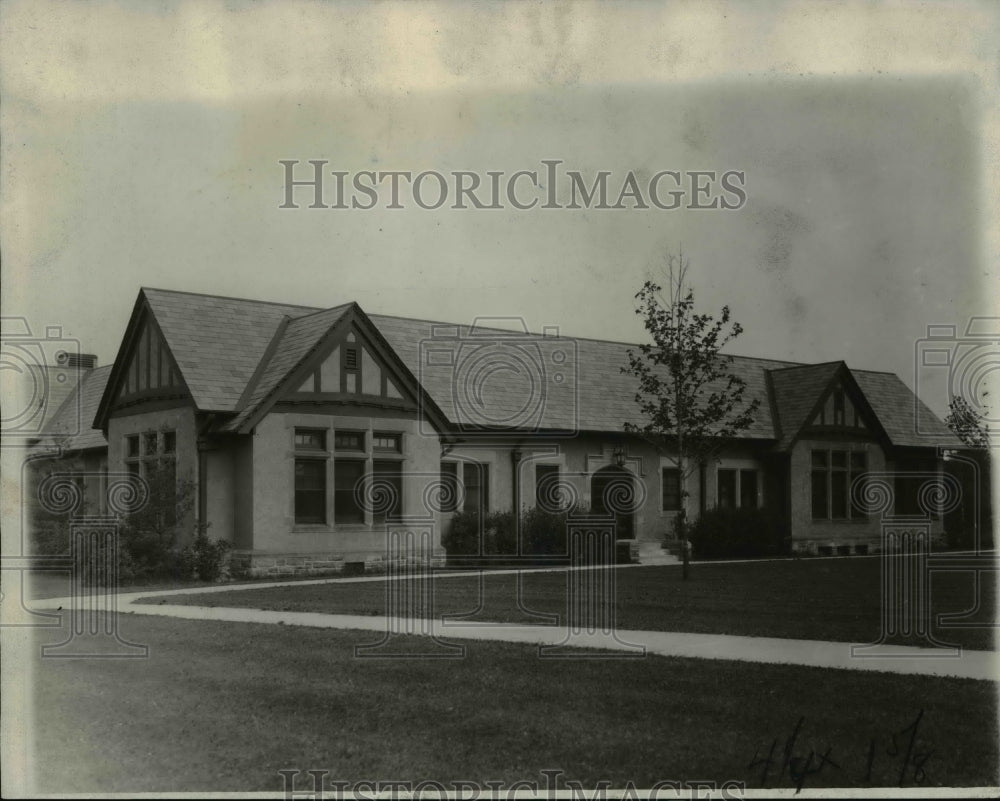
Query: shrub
point(544, 532)
point(204, 559)
point(461, 537)
point(543, 535)
point(737, 533)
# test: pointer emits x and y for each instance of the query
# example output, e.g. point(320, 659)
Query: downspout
point(515, 460)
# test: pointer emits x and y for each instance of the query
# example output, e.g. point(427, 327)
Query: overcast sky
point(141, 145)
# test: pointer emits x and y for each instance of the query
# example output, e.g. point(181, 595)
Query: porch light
point(619, 456)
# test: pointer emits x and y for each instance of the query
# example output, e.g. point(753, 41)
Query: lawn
point(819, 599)
point(224, 707)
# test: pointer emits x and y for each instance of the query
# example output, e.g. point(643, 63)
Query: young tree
point(967, 424)
point(688, 395)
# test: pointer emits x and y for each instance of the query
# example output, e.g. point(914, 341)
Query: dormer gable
point(350, 366)
point(145, 369)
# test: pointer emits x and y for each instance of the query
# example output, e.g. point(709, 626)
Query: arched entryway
point(613, 492)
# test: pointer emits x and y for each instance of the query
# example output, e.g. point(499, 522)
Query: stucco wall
point(181, 420)
point(810, 535)
point(272, 495)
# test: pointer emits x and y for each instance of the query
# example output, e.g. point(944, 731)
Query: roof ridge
point(320, 311)
point(230, 297)
point(799, 366)
point(570, 336)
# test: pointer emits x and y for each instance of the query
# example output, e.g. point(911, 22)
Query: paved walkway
point(555, 640)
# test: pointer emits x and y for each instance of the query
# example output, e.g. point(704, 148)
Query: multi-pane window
point(671, 489)
point(475, 477)
point(547, 487)
point(348, 491)
point(149, 451)
point(833, 473)
point(310, 475)
point(152, 455)
point(388, 443)
point(349, 440)
point(737, 488)
point(859, 466)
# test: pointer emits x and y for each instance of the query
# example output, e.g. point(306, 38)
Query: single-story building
point(305, 430)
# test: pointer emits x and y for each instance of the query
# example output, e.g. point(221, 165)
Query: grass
point(817, 599)
point(223, 707)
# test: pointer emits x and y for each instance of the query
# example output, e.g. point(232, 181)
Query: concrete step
point(652, 553)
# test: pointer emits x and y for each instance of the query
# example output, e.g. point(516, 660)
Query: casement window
point(547, 487)
point(310, 475)
point(348, 492)
point(834, 470)
point(350, 466)
point(387, 443)
point(349, 441)
point(449, 487)
point(152, 455)
point(476, 478)
point(737, 488)
point(671, 486)
point(727, 489)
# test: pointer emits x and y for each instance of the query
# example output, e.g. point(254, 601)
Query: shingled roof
point(70, 427)
point(796, 391)
point(235, 353)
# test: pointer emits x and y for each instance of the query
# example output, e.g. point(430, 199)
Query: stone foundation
point(248, 564)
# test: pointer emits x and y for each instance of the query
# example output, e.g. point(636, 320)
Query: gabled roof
point(293, 341)
point(601, 398)
point(796, 392)
point(235, 354)
point(217, 342)
point(70, 427)
point(896, 405)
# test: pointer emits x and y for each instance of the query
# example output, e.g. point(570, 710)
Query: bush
point(204, 559)
point(737, 533)
point(543, 535)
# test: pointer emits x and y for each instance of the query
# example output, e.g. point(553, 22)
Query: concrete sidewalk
point(556, 640)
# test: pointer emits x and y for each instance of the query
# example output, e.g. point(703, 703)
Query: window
point(349, 440)
point(727, 489)
point(833, 472)
point(475, 477)
point(310, 491)
point(152, 455)
point(310, 475)
point(859, 466)
point(347, 473)
point(388, 491)
point(748, 489)
point(671, 480)
point(547, 495)
point(391, 443)
point(449, 487)
point(310, 439)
